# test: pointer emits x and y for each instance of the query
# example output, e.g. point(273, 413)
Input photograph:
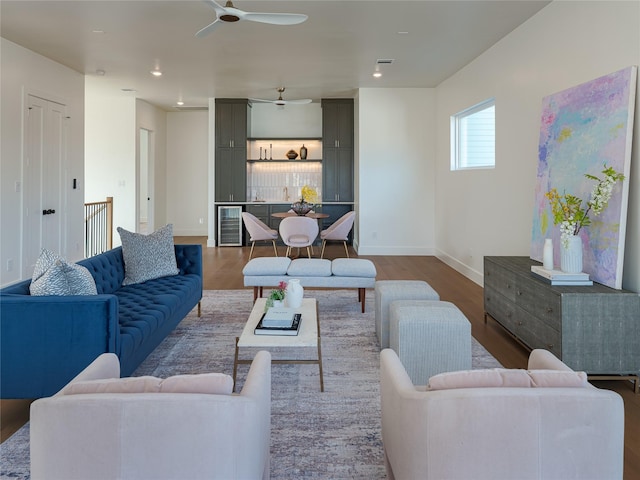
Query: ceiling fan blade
point(273, 18)
point(301, 101)
point(208, 29)
point(260, 100)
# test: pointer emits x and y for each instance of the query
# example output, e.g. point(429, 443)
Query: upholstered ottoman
point(430, 337)
point(386, 291)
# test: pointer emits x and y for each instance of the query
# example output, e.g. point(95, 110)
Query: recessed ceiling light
point(180, 102)
point(128, 89)
point(403, 33)
point(156, 73)
point(100, 72)
point(377, 74)
point(97, 31)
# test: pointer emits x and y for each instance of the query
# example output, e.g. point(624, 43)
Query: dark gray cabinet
point(337, 150)
point(591, 328)
point(232, 126)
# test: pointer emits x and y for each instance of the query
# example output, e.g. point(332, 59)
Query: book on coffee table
point(292, 330)
point(281, 317)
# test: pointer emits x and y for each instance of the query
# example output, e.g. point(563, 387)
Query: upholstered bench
point(313, 272)
point(386, 291)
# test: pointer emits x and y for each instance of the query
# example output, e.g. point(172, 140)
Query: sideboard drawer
point(536, 334)
point(501, 279)
point(501, 309)
point(542, 303)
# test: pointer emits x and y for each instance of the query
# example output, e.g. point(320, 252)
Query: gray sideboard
point(595, 329)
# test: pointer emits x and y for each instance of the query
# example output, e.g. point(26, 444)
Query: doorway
point(145, 181)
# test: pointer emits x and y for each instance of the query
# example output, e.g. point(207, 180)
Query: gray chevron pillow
point(53, 275)
point(148, 256)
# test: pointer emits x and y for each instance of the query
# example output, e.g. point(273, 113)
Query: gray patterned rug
point(330, 435)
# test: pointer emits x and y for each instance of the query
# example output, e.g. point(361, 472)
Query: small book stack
point(557, 277)
point(279, 321)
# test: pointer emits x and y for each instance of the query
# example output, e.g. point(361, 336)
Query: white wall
point(395, 159)
point(187, 164)
point(489, 212)
point(25, 72)
point(110, 138)
point(153, 119)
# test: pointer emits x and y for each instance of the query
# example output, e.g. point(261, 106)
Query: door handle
point(48, 212)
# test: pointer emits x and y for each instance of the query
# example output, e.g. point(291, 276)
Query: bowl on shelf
point(292, 154)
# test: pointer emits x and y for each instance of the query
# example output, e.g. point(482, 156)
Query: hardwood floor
point(222, 271)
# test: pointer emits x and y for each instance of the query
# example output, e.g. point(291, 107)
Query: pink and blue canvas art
point(582, 129)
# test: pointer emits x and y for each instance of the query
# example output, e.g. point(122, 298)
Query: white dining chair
point(338, 231)
point(258, 230)
point(299, 232)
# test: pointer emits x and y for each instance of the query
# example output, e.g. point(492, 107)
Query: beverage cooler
point(230, 226)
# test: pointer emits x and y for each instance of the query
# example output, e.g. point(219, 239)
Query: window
point(473, 137)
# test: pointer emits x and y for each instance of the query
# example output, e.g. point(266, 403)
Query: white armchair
point(153, 435)
point(500, 432)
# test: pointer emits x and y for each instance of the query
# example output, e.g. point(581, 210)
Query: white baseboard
point(400, 250)
point(463, 268)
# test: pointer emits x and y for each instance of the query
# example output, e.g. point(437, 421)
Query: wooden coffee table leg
point(319, 351)
point(235, 365)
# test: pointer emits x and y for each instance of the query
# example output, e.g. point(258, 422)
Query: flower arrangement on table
point(277, 294)
point(568, 210)
point(308, 198)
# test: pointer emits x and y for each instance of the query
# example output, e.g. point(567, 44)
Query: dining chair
point(338, 231)
point(299, 231)
point(258, 231)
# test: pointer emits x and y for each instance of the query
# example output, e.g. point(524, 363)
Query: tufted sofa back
point(107, 269)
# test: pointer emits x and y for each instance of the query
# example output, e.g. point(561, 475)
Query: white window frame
point(458, 138)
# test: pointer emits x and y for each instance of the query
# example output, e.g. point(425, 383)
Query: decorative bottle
point(547, 254)
point(294, 294)
point(303, 152)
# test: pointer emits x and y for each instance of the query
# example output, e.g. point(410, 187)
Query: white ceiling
point(332, 54)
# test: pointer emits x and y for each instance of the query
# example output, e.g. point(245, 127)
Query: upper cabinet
point(337, 148)
point(232, 122)
point(232, 127)
point(337, 123)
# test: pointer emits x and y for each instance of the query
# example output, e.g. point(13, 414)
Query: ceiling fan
point(231, 14)
point(281, 102)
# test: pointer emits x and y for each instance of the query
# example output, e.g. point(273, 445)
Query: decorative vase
point(278, 303)
point(303, 152)
point(294, 294)
point(301, 208)
point(292, 154)
point(571, 255)
point(547, 254)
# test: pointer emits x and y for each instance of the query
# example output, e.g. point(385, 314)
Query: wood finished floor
point(222, 271)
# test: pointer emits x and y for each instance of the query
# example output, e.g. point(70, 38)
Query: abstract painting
point(582, 129)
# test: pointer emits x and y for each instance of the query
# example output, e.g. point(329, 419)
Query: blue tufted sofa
point(46, 341)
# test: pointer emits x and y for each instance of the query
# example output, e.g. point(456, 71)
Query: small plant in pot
point(276, 297)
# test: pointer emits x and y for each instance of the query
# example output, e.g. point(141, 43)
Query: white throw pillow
point(207, 383)
point(53, 275)
point(504, 377)
point(148, 256)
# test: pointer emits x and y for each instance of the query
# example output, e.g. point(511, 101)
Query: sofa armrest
point(106, 366)
point(36, 334)
point(189, 259)
point(540, 359)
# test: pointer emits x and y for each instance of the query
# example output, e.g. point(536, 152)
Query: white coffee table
point(308, 336)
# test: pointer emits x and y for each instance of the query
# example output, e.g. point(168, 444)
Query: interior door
point(43, 202)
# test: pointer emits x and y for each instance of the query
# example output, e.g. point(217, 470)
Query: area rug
point(329, 435)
